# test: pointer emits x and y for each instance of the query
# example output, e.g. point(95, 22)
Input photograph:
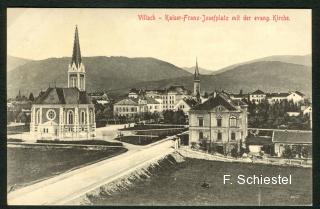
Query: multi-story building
point(257, 96)
point(220, 122)
point(60, 113)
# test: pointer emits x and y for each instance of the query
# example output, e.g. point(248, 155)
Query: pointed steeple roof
point(196, 71)
point(76, 54)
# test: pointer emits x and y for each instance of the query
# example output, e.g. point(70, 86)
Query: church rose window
point(51, 115)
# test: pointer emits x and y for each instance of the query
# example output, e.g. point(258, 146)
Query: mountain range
point(118, 74)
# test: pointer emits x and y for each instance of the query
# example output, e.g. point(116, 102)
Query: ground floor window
point(233, 136)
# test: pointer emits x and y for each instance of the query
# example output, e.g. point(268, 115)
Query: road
point(63, 188)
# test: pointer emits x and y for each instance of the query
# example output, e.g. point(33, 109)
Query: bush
point(82, 142)
point(287, 153)
point(14, 140)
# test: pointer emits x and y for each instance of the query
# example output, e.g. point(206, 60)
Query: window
point(219, 136)
point(219, 122)
point(38, 117)
point(200, 135)
point(83, 117)
point(233, 136)
point(51, 115)
point(233, 121)
point(70, 117)
point(200, 121)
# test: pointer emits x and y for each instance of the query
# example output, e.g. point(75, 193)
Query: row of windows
point(70, 116)
point(232, 122)
point(126, 109)
point(219, 136)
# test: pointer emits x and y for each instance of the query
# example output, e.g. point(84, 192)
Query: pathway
point(66, 187)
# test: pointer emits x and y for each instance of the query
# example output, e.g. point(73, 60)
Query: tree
point(31, 97)
point(287, 153)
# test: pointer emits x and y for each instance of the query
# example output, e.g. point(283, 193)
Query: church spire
point(196, 71)
point(76, 55)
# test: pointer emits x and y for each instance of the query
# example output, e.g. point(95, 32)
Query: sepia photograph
point(159, 107)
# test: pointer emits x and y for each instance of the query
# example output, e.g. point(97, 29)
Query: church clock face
point(51, 115)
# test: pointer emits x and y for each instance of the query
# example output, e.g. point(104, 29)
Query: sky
point(40, 33)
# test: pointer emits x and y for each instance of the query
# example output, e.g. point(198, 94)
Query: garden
point(29, 164)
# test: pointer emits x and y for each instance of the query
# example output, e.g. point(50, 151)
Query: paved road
point(65, 187)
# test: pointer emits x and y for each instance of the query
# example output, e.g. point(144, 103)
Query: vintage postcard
point(185, 107)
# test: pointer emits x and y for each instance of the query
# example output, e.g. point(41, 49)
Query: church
point(65, 113)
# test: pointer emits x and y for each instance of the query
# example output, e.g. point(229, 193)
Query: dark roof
point(239, 102)
point(278, 95)
point(190, 102)
point(293, 137)
point(63, 96)
point(213, 102)
point(151, 100)
point(76, 54)
point(258, 92)
point(239, 95)
point(128, 101)
point(258, 140)
point(299, 93)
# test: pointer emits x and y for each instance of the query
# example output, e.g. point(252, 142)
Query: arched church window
point(91, 116)
point(38, 117)
point(83, 117)
point(70, 117)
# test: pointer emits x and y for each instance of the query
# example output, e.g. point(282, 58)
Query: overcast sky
point(43, 33)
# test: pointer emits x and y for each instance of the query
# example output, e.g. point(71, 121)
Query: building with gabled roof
point(220, 122)
point(257, 96)
point(291, 138)
point(60, 113)
point(185, 105)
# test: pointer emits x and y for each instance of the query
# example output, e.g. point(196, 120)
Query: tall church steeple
point(76, 70)
point(76, 55)
point(196, 80)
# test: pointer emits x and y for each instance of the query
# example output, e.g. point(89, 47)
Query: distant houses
point(173, 98)
point(99, 97)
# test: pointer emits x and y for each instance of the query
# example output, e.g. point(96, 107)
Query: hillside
point(201, 70)
point(293, 59)
point(102, 73)
point(14, 62)
point(270, 76)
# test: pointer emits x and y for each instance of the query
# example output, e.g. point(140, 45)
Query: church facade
point(65, 113)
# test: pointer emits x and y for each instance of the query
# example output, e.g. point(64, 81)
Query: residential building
point(60, 113)
point(257, 96)
point(276, 97)
point(130, 107)
point(220, 122)
point(281, 139)
point(99, 97)
point(296, 97)
point(185, 105)
point(293, 114)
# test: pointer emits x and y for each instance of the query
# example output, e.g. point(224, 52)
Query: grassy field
point(145, 137)
point(181, 185)
point(27, 165)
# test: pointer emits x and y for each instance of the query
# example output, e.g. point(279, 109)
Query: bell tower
point(76, 70)
point(196, 80)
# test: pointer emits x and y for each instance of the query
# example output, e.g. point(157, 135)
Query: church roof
point(63, 96)
point(76, 54)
